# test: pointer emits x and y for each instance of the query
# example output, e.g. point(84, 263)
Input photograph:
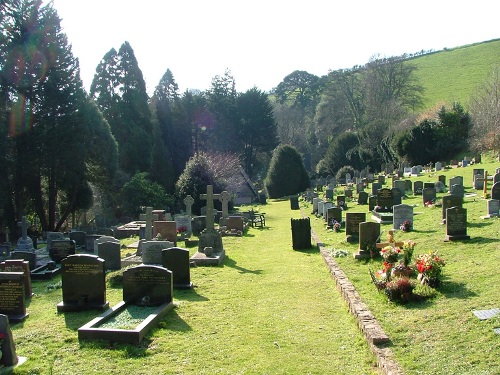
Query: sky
point(261, 42)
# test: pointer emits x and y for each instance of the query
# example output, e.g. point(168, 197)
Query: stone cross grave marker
point(209, 197)
point(189, 201)
point(484, 181)
point(148, 234)
point(25, 242)
point(225, 198)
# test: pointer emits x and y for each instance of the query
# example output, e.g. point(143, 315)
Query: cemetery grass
point(439, 335)
point(267, 310)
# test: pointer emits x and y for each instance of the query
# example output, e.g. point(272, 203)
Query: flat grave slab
point(486, 314)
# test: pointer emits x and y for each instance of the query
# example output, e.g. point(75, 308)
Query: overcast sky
point(261, 42)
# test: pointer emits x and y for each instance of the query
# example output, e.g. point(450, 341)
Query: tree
point(298, 89)
point(485, 111)
point(51, 138)
point(287, 174)
point(343, 150)
point(120, 92)
point(257, 127)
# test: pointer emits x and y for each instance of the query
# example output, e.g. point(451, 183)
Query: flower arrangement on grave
point(406, 226)
point(390, 253)
point(430, 268)
point(342, 205)
point(182, 231)
point(430, 204)
point(336, 225)
point(400, 289)
point(403, 268)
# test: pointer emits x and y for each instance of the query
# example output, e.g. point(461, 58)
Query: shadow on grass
point(310, 250)
point(456, 290)
point(482, 240)
point(75, 320)
point(481, 224)
point(129, 350)
point(228, 262)
point(189, 295)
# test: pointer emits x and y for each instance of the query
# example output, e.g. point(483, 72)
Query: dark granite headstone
point(147, 285)
point(409, 185)
point(385, 199)
point(199, 223)
point(176, 260)
point(495, 191)
point(381, 179)
point(457, 190)
point(348, 193)
point(111, 253)
point(456, 224)
point(340, 200)
point(60, 249)
point(363, 197)
point(442, 178)
point(352, 220)
point(396, 196)
point(30, 256)
point(428, 194)
point(418, 187)
point(375, 187)
point(329, 194)
point(8, 348)
point(12, 296)
point(449, 201)
point(372, 202)
point(83, 283)
point(294, 203)
point(80, 239)
point(369, 234)
point(5, 249)
point(19, 265)
point(90, 246)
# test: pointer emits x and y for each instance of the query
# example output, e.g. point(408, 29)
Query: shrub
point(343, 171)
point(287, 174)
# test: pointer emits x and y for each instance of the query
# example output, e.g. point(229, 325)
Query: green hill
point(453, 75)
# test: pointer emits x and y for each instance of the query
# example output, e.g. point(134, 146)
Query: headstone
point(225, 198)
point(348, 193)
point(4, 250)
point(341, 201)
point(447, 202)
point(111, 253)
point(151, 251)
point(166, 229)
point(294, 203)
point(401, 185)
point(321, 206)
point(457, 190)
point(189, 201)
point(25, 243)
point(148, 230)
point(329, 194)
point(493, 208)
point(235, 224)
point(19, 265)
point(176, 260)
point(428, 185)
point(408, 185)
point(465, 163)
point(363, 197)
point(396, 196)
point(456, 224)
point(375, 187)
point(301, 233)
point(477, 171)
point(372, 202)
point(315, 205)
point(348, 178)
point(385, 199)
point(352, 220)
point(80, 239)
point(429, 195)
point(369, 234)
point(8, 347)
point(333, 213)
point(147, 285)
point(418, 187)
point(415, 171)
point(199, 223)
point(401, 213)
point(495, 191)
point(457, 180)
point(478, 182)
point(54, 236)
point(360, 186)
point(60, 249)
point(438, 166)
point(439, 186)
point(326, 206)
point(442, 178)
point(27, 255)
point(381, 179)
point(90, 246)
point(13, 300)
point(83, 283)
point(496, 178)
point(183, 222)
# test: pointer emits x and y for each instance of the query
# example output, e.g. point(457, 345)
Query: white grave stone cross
point(209, 197)
point(24, 224)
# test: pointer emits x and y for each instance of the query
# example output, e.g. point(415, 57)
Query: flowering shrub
point(406, 226)
point(430, 265)
point(408, 248)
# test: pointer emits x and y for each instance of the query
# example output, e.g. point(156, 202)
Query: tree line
point(64, 151)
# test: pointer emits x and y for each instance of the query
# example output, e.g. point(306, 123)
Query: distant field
point(453, 75)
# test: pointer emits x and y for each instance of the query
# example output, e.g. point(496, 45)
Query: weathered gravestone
point(381, 179)
point(60, 249)
point(375, 187)
point(315, 205)
point(294, 203)
point(429, 195)
point(363, 197)
point(428, 185)
point(352, 220)
point(348, 193)
point(477, 171)
point(326, 206)
point(111, 253)
point(408, 185)
point(457, 190)
point(493, 208)
point(183, 223)
point(418, 187)
point(369, 235)
point(27, 255)
point(496, 178)
point(176, 260)
point(372, 202)
point(83, 283)
point(438, 166)
point(12, 296)
point(456, 224)
point(54, 236)
point(151, 251)
point(401, 186)
point(25, 243)
point(360, 187)
point(199, 223)
point(457, 180)
point(329, 194)
point(333, 214)
point(321, 206)
point(447, 202)
point(400, 214)
point(103, 239)
point(166, 229)
point(341, 202)
point(396, 196)
point(301, 233)
point(148, 288)
point(7, 346)
point(80, 239)
point(19, 265)
point(442, 178)
point(235, 224)
point(478, 182)
point(439, 186)
point(89, 248)
point(385, 199)
point(495, 191)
